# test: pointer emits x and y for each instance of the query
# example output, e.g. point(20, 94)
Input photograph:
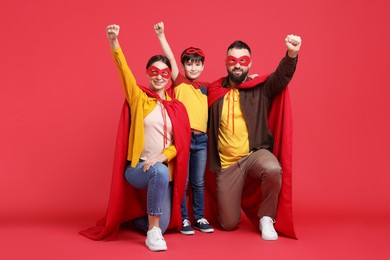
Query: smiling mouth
point(159, 83)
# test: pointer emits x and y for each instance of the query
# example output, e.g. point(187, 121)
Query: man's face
point(238, 63)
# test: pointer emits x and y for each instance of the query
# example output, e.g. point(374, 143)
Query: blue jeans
point(159, 192)
point(196, 169)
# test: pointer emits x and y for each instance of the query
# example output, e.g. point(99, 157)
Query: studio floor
point(319, 237)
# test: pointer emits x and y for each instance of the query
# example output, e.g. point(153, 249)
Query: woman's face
point(158, 74)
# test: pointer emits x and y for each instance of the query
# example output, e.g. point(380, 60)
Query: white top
point(154, 132)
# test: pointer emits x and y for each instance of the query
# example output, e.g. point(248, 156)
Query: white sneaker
point(155, 241)
point(267, 228)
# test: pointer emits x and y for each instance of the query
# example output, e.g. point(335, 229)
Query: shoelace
point(156, 233)
point(268, 225)
point(202, 221)
point(186, 223)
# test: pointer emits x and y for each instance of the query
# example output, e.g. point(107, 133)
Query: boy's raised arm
point(159, 29)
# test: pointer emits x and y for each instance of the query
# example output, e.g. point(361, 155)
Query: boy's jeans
point(196, 169)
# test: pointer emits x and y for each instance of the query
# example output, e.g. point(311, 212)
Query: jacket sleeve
point(280, 78)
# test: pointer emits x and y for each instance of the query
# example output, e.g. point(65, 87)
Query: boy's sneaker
point(203, 225)
point(267, 228)
point(155, 241)
point(186, 228)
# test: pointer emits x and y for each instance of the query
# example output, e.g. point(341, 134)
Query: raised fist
point(293, 42)
point(159, 28)
point(112, 31)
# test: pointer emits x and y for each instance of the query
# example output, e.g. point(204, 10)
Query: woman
point(157, 151)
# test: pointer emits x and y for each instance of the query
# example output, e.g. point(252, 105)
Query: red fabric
point(215, 90)
point(280, 123)
point(126, 202)
point(182, 79)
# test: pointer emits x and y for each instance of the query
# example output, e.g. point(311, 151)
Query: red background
point(60, 95)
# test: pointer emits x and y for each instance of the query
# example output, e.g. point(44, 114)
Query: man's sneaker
point(203, 225)
point(267, 228)
point(186, 228)
point(155, 241)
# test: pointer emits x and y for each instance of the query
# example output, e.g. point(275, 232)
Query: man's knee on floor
point(229, 225)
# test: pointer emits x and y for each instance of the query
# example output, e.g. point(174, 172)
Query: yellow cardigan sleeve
point(134, 96)
point(128, 80)
point(170, 152)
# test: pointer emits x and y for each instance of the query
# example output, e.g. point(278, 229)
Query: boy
point(193, 94)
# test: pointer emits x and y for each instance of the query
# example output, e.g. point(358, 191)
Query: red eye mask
point(243, 60)
point(154, 71)
point(195, 51)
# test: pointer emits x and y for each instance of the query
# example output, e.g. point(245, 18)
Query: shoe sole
point(155, 249)
point(187, 232)
point(269, 239)
point(210, 230)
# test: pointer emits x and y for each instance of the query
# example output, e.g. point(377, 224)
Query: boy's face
point(193, 69)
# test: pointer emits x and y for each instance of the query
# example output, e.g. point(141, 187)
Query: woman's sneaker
point(203, 225)
point(186, 228)
point(155, 241)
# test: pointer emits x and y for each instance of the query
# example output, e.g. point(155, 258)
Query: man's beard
point(237, 79)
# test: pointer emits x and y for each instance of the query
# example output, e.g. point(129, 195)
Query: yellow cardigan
point(140, 106)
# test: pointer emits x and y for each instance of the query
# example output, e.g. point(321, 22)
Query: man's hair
point(192, 54)
point(239, 45)
point(161, 58)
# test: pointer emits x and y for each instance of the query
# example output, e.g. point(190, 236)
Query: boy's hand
point(159, 28)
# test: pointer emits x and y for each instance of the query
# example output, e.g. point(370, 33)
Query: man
point(240, 141)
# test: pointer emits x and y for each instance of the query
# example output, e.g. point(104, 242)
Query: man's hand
point(159, 28)
point(112, 32)
point(293, 44)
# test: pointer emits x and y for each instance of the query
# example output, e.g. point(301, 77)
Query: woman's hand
point(112, 32)
point(152, 160)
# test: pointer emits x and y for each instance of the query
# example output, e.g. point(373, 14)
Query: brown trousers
point(261, 164)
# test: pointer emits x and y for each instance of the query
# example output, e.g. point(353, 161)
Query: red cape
point(280, 123)
point(126, 202)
